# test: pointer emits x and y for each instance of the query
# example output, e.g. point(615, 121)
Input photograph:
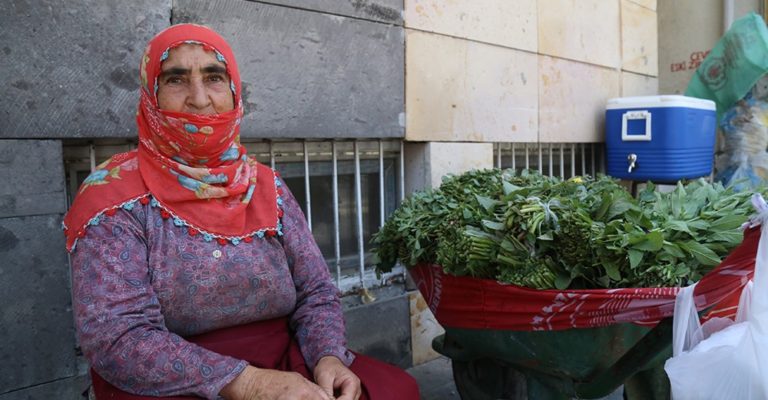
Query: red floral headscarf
point(191, 166)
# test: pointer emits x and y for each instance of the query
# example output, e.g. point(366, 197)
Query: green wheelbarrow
point(575, 363)
point(570, 344)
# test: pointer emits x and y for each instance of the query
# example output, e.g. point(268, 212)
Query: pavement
point(435, 379)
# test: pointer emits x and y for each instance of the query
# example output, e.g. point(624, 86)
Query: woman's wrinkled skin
point(193, 81)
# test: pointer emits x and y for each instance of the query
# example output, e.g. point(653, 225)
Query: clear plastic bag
point(733, 75)
point(724, 359)
point(743, 162)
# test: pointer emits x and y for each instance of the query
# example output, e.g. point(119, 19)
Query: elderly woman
point(193, 272)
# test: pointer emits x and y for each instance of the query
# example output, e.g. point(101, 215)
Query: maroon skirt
point(269, 344)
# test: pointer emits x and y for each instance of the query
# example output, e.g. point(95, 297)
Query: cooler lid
point(659, 101)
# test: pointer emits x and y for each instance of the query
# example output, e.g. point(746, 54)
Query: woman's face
point(193, 81)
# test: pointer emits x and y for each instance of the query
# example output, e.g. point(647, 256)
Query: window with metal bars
point(554, 159)
point(346, 190)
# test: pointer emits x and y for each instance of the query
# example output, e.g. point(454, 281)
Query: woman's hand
point(332, 376)
point(268, 384)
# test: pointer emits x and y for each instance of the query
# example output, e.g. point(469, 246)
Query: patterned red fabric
point(268, 344)
point(193, 165)
point(464, 302)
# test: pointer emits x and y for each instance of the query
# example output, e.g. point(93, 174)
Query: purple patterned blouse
point(140, 284)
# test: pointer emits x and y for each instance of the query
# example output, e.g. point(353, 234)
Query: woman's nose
point(198, 96)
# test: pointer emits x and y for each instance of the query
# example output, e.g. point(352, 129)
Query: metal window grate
point(346, 189)
point(554, 159)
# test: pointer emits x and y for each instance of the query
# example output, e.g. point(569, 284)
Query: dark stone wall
point(69, 70)
point(32, 173)
point(36, 323)
point(309, 74)
point(37, 340)
point(382, 330)
point(311, 69)
point(390, 11)
point(66, 389)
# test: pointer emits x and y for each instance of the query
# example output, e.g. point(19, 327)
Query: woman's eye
point(216, 78)
point(173, 80)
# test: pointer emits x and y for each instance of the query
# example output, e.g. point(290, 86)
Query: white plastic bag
point(723, 359)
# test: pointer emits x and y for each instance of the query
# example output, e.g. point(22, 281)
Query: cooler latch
point(636, 126)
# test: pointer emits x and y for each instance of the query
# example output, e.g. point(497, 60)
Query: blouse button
point(216, 253)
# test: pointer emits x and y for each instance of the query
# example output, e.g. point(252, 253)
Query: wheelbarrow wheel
point(488, 379)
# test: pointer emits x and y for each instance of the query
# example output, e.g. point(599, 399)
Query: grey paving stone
point(32, 173)
point(390, 11)
point(381, 330)
point(38, 340)
point(70, 69)
point(436, 382)
point(435, 379)
point(64, 389)
point(308, 74)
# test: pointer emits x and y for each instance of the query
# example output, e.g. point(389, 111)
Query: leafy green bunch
point(435, 218)
point(675, 238)
point(543, 232)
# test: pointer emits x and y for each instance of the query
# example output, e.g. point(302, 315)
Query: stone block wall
point(332, 73)
point(448, 76)
point(311, 69)
point(70, 69)
point(524, 71)
point(69, 72)
point(38, 357)
point(690, 29)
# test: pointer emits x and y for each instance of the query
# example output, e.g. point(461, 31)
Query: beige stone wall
point(427, 162)
point(425, 165)
point(524, 70)
point(483, 71)
point(533, 70)
point(688, 30)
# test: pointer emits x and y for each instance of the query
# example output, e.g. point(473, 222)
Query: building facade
point(356, 102)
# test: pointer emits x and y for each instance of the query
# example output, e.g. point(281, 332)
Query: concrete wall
point(524, 71)
point(311, 68)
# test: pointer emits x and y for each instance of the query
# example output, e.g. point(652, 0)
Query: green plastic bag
point(736, 63)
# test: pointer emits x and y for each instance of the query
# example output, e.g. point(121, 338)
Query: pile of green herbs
point(544, 232)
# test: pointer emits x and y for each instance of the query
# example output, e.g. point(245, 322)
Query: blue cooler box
point(659, 138)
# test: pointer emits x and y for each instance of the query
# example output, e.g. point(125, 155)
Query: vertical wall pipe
point(336, 239)
point(92, 156)
point(573, 159)
point(402, 170)
point(527, 158)
point(513, 158)
point(359, 209)
point(306, 187)
point(271, 155)
point(381, 183)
